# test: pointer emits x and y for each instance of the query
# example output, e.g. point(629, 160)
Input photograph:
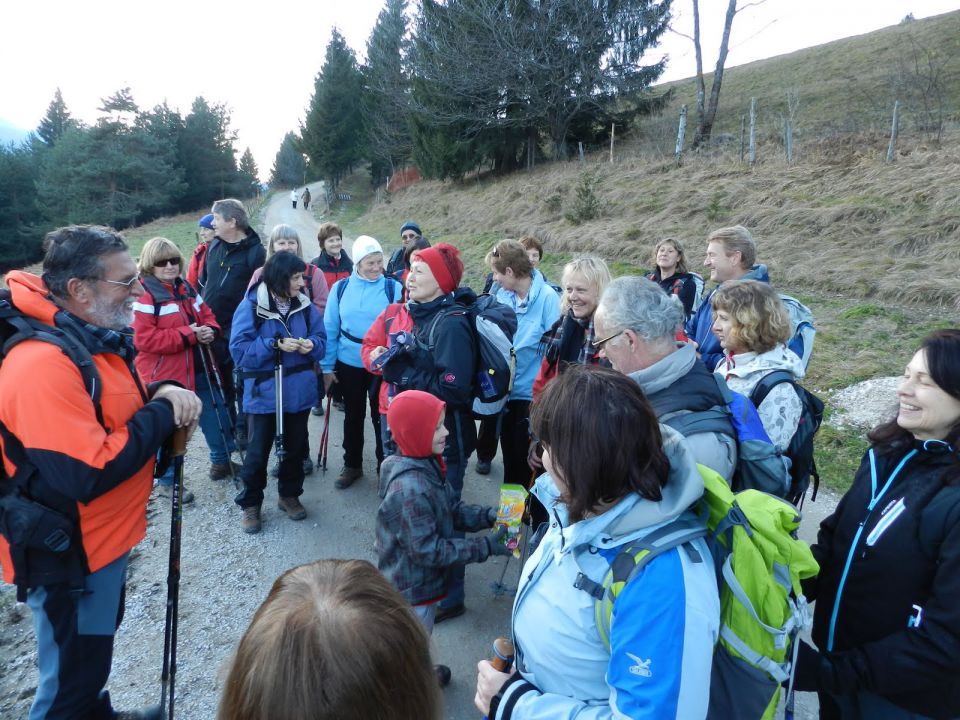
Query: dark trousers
point(253, 475)
point(359, 389)
point(488, 435)
point(75, 631)
point(515, 446)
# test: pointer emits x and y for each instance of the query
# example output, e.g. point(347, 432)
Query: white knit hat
point(363, 246)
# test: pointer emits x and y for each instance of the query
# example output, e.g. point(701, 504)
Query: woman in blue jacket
point(614, 477)
point(354, 303)
point(277, 317)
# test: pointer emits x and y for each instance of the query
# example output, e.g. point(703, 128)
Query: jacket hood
point(396, 465)
point(31, 296)
point(259, 294)
point(744, 365)
point(412, 417)
point(665, 371)
point(757, 272)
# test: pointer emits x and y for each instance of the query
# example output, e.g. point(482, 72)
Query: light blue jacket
point(664, 625)
point(347, 319)
point(252, 350)
point(535, 316)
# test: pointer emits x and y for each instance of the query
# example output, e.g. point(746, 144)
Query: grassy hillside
point(846, 85)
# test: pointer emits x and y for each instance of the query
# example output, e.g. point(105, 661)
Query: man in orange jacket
point(94, 471)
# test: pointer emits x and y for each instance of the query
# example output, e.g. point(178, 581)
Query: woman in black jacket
point(672, 275)
point(887, 619)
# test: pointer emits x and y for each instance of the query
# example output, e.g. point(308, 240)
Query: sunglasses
point(597, 344)
point(166, 262)
point(409, 236)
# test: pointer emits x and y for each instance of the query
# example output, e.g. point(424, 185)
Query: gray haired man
point(636, 325)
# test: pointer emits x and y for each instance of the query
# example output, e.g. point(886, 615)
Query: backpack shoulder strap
point(767, 383)
point(342, 288)
point(388, 284)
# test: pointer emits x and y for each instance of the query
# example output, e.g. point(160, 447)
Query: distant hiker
point(886, 621)
point(306, 198)
point(419, 511)
point(753, 326)
point(672, 275)
point(80, 446)
point(409, 232)
point(731, 254)
point(342, 616)
point(353, 305)
point(171, 325)
point(614, 477)
point(276, 315)
point(205, 235)
point(635, 325)
point(538, 308)
point(285, 238)
point(293, 198)
point(234, 254)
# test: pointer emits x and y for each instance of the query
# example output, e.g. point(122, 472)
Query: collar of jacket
point(265, 308)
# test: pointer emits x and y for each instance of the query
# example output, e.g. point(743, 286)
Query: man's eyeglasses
point(598, 344)
point(166, 262)
point(126, 283)
point(408, 236)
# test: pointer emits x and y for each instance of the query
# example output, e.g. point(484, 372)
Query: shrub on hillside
point(587, 204)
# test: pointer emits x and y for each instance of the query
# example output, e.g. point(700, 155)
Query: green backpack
point(760, 563)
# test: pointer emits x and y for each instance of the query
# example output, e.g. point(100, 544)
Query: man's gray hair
point(640, 305)
point(230, 209)
point(77, 251)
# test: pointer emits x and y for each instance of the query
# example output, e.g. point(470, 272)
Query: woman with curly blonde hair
point(753, 326)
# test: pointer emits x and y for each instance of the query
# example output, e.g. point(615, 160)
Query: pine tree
point(289, 167)
point(207, 156)
point(332, 135)
point(248, 177)
point(20, 221)
point(56, 121)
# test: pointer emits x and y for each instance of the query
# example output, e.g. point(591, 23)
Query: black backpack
point(51, 537)
point(803, 465)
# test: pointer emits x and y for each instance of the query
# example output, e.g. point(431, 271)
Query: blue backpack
point(760, 465)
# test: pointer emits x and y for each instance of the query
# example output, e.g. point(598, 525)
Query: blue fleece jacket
point(699, 327)
point(535, 315)
point(348, 318)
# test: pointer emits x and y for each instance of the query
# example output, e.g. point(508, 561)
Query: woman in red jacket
point(170, 324)
point(332, 260)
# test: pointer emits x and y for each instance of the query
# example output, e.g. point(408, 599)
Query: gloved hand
point(818, 671)
point(495, 541)
point(805, 674)
point(396, 368)
point(491, 516)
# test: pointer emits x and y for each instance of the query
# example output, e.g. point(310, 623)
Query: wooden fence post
point(681, 131)
point(743, 130)
point(788, 139)
point(580, 150)
point(753, 130)
point(894, 129)
point(613, 130)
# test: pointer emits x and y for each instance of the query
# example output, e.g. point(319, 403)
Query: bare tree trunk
point(705, 128)
point(753, 130)
point(894, 129)
point(681, 130)
point(701, 90)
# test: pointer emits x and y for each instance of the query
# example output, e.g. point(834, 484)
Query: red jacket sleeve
point(376, 337)
point(149, 337)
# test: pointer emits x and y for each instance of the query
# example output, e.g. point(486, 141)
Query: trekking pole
point(324, 438)
point(216, 411)
point(215, 369)
point(278, 387)
point(168, 674)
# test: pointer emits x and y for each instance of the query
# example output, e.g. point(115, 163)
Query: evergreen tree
point(332, 135)
point(56, 121)
point(248, 176)
point(386, 88)
point(21, 233)
point(207, 156)
point(289, 167)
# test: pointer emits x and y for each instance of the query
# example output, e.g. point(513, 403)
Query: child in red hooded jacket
point(419, 511)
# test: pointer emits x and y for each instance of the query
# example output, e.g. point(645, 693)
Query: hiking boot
point(166, 491)
point(448, 613)
point(317, 410)
point(250, 522)
point(292, 507)
point(275, 469)
point(348, 476)
point(307, 466)
point(219, 471)
point(338, 404)
point(443, 675)
point(483, 467)
point(150, 713)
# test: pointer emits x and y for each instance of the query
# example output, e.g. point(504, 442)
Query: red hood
point(31, 296)
point(413, 417)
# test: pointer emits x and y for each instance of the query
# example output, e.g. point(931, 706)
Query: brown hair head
point(603, 438)
point(530, 242)
point(760, 321)
point(676, 245)
point(736, 239)
point(328, 230)
point(510, 254)
point(332, 641)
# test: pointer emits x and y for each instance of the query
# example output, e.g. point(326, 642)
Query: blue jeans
point(219, 451)
point(75, 632)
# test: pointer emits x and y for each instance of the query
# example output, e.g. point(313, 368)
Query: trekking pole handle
point(502, 654)
point(179, 442)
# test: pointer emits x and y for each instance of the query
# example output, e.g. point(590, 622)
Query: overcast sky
point(261, 60)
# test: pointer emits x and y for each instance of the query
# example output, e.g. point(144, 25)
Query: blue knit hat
point(206, 222)
point(411, 225)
